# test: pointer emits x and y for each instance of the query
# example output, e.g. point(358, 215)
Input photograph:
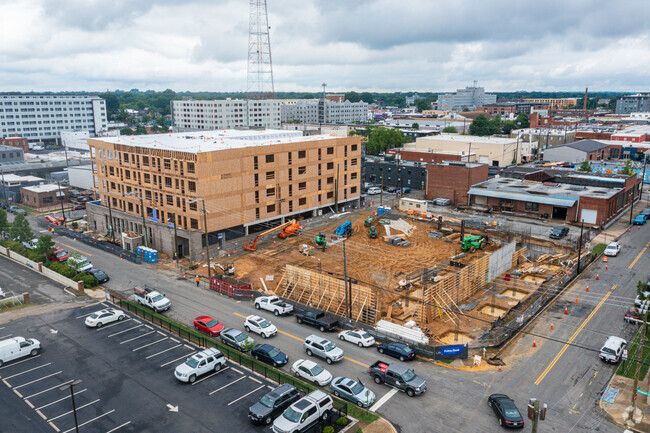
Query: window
point(190, 167)
point(302, 186)
point(330, 151)
point(257, 213)
point(330, 194)
point(147, 179)
point(354, 162)
point(353, 175)
point(145, 160)
point(302, 154)
point(330, 166)
point(257, 196)
point(167, 164)
point(168, 182)
point(270, 192)
point(191, 186)
point(270, 208)
point(194, 223)
point(353, 190)
point(330, 180)
point(193, 206)
point(269, 158)
point(302, 170)
point(302, 201)
point(170, 200)
point(270, 175)
point(534, 207)
point(353, 148)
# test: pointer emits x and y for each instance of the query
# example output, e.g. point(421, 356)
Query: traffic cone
point(273, 243)
point(551, 326)
point(639, 228)
point(576, 299)
point(534, 343)
point(587, 289)
point(566, 310)
point(628, 230)
point(499, 368)
point(605, 267)
point(597, 278)
point(120, 256)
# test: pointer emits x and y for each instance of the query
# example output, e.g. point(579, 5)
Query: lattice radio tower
point(259, 83)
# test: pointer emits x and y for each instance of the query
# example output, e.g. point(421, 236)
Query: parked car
point(260, 325)
point(399, 377)
point(17, 347)
point(20, 211)
point(273, 304)
point(640, 219)
point(613, 249)
point(632, 315)
point(79, 264)
point(392, 189)
point(311, 371)
point(322, 347)
point(612, 349)
point(273, 404)
point(13, 209)
point(79, 207)
point(646, 212)
point(237, 339)
point(357, 336)
point(401, 351)
point(352, 390)
point(506, 411)
point(100, 275)
point(200, 363)
point(558, 232)
point(31, 244)
point(374, 190)
point(304, 413)
point(207, 324)
point(104, 317)
point(318, 320)
point(58, 255)
point(269, 354)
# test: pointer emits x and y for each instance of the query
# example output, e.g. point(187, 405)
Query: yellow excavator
point(252, 245)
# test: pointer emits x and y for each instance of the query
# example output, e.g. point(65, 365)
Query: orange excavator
point(252, 245)
point(289, 230)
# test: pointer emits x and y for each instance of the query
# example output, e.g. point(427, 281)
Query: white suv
point(612, 349)
point(260, 325)
point(200, 363)
point(304, 413)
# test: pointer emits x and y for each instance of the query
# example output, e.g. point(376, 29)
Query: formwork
point(324, 292)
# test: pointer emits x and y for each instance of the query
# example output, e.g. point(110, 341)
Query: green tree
point(140, 130)
point(367, 97)
point(352, 96)
point(112, 103)
point(612, 103)
point(508, 126)
point(4, 222)
point(44, 245)
point(641, 288)
point(450, 130)
point(20, 229)
point(422, 104)
point(523, 120)
point(480, 126)
point(415, 125)
point(627, 168)
point(585, 166)
point(495, 126)
point(126, 131)
point(383, 138)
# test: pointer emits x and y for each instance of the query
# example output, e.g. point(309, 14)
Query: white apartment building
point(43, 117)
point(192, 115)
point(465, 99)
point(315, 111)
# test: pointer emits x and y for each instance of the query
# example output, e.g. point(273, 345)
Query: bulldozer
point(368, 222)
point(372, 232)
point(321, 240)
point(229, 269)
point(471, 243)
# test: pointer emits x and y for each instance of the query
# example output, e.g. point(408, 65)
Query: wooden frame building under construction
point(243, 179)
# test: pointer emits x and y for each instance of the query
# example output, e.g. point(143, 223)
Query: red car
point(79, 207)
point(208, 325)
point(58, 255)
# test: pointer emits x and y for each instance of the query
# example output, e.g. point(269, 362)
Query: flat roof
point(17, 178)
point(48, 187)
point(469, 139)
point(210, 141)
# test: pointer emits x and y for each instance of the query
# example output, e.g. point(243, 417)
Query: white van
point(17, 347)
point(374, 190)
point(80, 264)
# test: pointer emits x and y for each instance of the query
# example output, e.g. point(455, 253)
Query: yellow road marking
point(73, 248)
point(575, 334)
point(637, 257)
point(300, 339)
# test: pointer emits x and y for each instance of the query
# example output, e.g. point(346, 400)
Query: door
point(588, 216)
point(559, 213)
point(202, 367)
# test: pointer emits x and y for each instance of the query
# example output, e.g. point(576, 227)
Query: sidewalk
point(616, 230)
point(620, 389)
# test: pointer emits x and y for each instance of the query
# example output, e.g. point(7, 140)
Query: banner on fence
point(456, 351)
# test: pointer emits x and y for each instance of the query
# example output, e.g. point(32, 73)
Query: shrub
point(62, 269)
point(343, 421)
point(35, 256)
point(328, 429)
point(88, 280)
point(359, 430)
point(15, 246)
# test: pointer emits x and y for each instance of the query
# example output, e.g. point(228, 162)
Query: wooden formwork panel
point(518, 257)
point(324, 292)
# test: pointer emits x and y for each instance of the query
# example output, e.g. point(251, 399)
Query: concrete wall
point(501, 260)
point(38, 267)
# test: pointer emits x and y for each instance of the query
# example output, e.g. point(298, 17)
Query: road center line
point(575, 334)
point(246, 395)
point(375, 407)
point(637, 258)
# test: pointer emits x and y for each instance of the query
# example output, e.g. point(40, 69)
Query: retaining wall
point(47, 272)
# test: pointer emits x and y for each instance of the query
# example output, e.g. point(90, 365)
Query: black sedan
point(506, 411)
point(401, 351)
point(269, 354)
point(100, 275)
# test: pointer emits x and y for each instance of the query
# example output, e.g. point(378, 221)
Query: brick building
point(43, 196)
point(578, 151)
point(20, 142)
point(453, 180)
point(247, 179)
point(431, 156)
point(498, 109)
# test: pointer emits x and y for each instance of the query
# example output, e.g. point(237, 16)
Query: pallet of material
point(446, 230)
point(435, 234)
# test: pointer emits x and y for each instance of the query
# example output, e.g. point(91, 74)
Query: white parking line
point(91, 420)
point(149, 344)
point(119, 427)
point(135, 338)
point(56, 429)
point(226, 386)
point(119, 322)
point(238, 371)
point(174, 340)
point(209, 376)
point(375, 407)
point(61, 399)
point(69, 412)
point(254, 380)
point(161, 333)
point(245, 395)
point(84, 315)
point(178, 359)
point(24, 360)
point(34, 381)
point(6, 336)
point(147, 326)
point(163, 351)
point(49, 389)
point(27, 371)
point(121, 332)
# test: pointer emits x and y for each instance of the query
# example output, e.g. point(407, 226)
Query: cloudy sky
point(384, 45)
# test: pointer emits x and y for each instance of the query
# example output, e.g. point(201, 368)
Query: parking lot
point(127, 379)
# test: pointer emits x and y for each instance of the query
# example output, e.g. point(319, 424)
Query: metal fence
point(11, 300)
point(103, 245)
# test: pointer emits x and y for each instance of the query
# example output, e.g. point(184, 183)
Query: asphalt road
point(20, 279)
point(567, 379)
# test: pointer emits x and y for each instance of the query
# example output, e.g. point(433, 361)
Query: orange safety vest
point(197, 279)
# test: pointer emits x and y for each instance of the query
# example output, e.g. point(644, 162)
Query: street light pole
point(205, 225)
point(74, 406)
point(61, 198)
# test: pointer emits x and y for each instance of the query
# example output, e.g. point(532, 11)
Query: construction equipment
point(229, 269)
point(252, 245)
point(344, 229)
point(372, 232)
point(289, 230)
point(368, 222)
point(471, 243)
point(321, 240)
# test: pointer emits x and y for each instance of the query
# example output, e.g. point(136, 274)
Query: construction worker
point(197, 279)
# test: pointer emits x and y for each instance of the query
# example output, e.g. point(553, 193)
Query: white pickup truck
point(152, 299)
point(274, 304)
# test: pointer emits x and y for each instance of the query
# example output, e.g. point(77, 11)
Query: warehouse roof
point(585, 145)
point(469, 139)
point(209, 141)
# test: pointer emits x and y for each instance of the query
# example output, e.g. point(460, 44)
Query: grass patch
point(361, 414)
point(598, 249)
point(445, 361)
point(628, 368)
point(16, 307)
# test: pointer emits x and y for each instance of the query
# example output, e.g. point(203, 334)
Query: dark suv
point(558, 232)
point(273, 404)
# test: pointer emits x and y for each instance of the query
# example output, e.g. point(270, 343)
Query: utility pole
point(535, 413)
point(74, 406)
point(205, 226)
point(110, 215)
point(381, 193)
point(639, 350)
point(61, 198)
point(175, 237)
point(336, 190)
point(582, 225)
point(345, 273)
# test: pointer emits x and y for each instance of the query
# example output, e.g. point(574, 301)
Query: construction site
point(406, 270)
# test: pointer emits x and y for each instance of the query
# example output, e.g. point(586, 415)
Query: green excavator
point(321, 240)
point(368, 222)
point(471, 243)
point(372, 232)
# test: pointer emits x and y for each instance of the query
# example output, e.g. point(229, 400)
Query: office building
point(43, 117)
point(633, 103)
point(196, 115)
point(330, 111)
point(465, 99)
point(248, 179)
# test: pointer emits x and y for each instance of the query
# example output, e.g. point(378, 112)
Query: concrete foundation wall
point(501, 260)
